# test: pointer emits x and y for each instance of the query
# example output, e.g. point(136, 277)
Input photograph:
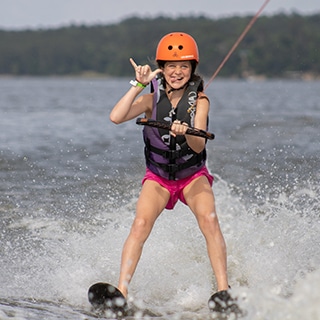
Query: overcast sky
point(21, 14)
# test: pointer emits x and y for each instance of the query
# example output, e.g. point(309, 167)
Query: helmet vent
point(179, 47)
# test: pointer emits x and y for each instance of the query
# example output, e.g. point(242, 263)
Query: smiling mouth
point(176, 80)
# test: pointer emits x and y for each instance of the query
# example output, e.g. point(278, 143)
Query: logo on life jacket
point(192, 98)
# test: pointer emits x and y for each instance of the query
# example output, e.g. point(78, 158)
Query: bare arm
point(129, 106)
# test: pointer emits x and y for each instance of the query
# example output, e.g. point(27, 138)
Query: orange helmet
point(177, 46)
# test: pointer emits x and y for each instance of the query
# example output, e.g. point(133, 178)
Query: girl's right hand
point(144, 74)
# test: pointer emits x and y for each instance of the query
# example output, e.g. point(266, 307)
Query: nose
point(178, 69)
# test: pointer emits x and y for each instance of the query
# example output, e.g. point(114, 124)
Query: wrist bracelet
point(136, 83)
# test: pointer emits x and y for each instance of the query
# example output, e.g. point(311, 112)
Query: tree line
point(276, 46)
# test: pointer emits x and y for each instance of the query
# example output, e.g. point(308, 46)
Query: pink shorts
point(176, 187)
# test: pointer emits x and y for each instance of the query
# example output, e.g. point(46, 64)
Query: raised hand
point(144, 74)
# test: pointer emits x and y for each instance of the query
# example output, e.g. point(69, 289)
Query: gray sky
point(20, 14)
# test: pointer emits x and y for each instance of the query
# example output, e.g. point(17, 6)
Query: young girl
point(175, 161)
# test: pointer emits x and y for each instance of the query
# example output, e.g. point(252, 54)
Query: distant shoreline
point(295, 76)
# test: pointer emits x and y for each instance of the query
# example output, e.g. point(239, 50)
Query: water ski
point(105, 296)
point(223, 304)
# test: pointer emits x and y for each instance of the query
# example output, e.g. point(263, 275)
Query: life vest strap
point(196, 159)
point(170, 154)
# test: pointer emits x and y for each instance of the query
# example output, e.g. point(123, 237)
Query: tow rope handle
point(167, 125)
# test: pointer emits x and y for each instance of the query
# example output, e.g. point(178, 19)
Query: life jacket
point(167, 156)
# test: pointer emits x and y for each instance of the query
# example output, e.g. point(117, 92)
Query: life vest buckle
point(173, 154)
point(171, 168)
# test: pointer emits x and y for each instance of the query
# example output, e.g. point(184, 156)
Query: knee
point(141, 229)
point(209, 223)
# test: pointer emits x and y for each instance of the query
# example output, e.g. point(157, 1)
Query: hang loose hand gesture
point(144, 74)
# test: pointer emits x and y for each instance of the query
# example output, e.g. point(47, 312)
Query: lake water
point(70, 179)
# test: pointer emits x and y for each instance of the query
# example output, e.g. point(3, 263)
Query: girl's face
point(177, 73)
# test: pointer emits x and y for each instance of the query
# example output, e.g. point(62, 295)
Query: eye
point(170, 47)
point(180, 47)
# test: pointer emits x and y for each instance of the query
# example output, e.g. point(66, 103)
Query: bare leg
point(153, 199)
point(199, 196)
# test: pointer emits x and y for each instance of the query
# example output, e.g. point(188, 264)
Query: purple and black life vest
point(167, 156)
